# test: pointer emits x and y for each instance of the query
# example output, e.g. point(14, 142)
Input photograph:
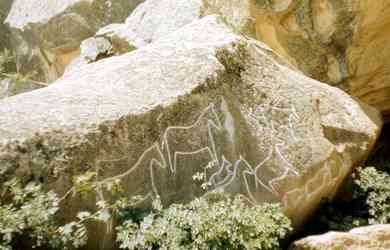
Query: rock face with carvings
point(150, 22)
point(200, 100)
point(46, 34)
point(375, 237)
point(341, 42)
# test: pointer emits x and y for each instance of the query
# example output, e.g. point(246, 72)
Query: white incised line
point(224, 165)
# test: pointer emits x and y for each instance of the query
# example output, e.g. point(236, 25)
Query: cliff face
point(341, 42)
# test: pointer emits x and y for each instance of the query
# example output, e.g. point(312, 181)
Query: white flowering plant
point(217, 221)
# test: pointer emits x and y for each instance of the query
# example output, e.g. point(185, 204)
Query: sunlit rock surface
point(155, 19)
point(375, 237)
point(341, 42)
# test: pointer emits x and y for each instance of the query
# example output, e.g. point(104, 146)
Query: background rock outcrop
point(202, 99)
point(341, 42)
point(155, 19)
point(5, 6)
point(46, 34)
point(375, 237)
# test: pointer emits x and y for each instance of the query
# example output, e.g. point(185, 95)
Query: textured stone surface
point(375, 237)
point(46, 34)
point(5, 5)
point(201, 96)
point(93, 47)
point(341, 42)
point(5, 85)
point(155, 19)
point(150, 21)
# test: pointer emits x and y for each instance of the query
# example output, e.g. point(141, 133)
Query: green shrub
point(28, 219)
point(27, 213)
point(213, 222)
point(375, 186)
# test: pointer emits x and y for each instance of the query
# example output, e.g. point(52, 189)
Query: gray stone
point(46, 34)
point(155, 19)
point(93, 47)
point(202, 99)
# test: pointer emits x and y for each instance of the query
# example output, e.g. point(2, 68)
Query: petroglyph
point(171, 138)
point(324, 179)
point(199, 138)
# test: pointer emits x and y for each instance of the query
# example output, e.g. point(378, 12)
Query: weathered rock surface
point(155, 19)
point(5, 85)
point(46, 34)
point(341, 42)
point(201, 99)
point(149, 21)
point(5, 5)
point(375, 237)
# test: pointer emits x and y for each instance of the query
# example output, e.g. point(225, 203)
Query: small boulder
point(376, 237)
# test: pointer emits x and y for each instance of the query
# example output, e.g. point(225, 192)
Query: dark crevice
point(339, 214)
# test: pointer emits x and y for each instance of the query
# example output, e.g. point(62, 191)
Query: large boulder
point(155, 19)
point(149, 21)
point(341, 42)
point(200, 100)
point(375, 237)
point(46, 34)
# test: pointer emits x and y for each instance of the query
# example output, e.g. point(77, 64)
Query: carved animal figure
point(193, 139)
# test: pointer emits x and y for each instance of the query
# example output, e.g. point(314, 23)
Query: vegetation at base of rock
point(28, 215)
point(217, 221)
point(374, 186)
point(28, 219)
